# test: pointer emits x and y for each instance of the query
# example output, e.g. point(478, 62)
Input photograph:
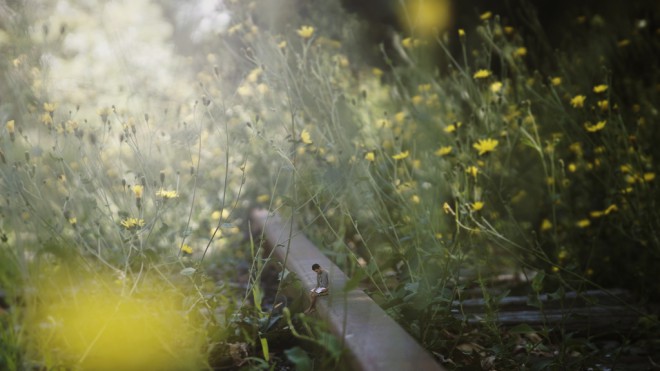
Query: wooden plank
point(373, 339)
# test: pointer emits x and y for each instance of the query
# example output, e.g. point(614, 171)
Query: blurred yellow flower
point(649, 177)
point(443, 151)
point(578, 101)
point(572, 167)
point(377, 71)
point(73, 220)
point(401, 155)
point(520, 52)
point(623, 43)
point(167, 194)
point(472, 170)
point(424, 87)
point(305, 32)
point(415, 199)
point(282, 45)
point(47, 119)
point(262, 198)
point(447, 209)
point(137, 190)
point(130, 223)
point(461, 32)
point(50, 107)
point(450, 128)
point(555, 81)
point(305, 137)
point(496, 87)
point(485, 145)
point(625, 168)
point(186, 249)
point(546, 225)
point(584, 223)
point(481, 74)
point(370, 156)
point(600, 88)
point(603, 104)
point(477, 206)
point(10, 126)
point(486, 15)
point(595, 127)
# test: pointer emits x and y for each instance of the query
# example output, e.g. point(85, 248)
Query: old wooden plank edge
point(373, 339)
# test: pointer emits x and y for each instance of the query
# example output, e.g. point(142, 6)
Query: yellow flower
point(555, 268)
point(486, 15)
point(130, 223)
point(401, 155)
point(424, 88)
point(450, 128)
point(555, 81)
point(520, 52)
point(282, 45)
point(306, 137)
point(623, 43)
point(262, 198)
point(186, 249)
point(461, 32)
point(443, 151)
point(400, 117)
point(596, 214)
point(600, 88)
point(578, 101)
point(50, 107)
point(610, 209)
point(584, 223)
point(509, 30)
point(594, 128)
point(447, 209)
point(649, 177)
point(10, 126)
point(73, 220)
point(370, 156)
point(47, 119)
point(481, 74)
point(546, 225)
point(485, 145)
point(572, 167)
point(625, 168)
point(137, 190)
point(472, 170)
point(377, 71)
point(496, 86)
point(305, 32)
point(415, 199)
point(167, 194)
point(477, 206)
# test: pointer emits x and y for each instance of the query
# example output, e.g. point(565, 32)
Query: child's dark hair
point(315, 267)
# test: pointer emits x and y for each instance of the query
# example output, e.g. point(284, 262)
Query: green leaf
point(537, 282)
point(299, 358)
point(264, 347)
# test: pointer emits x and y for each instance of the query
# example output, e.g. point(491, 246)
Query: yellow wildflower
point(167, 194)
point(485, 145)
point(400, 116)
point(377, 71)
point(583, 223)
point(472, 170)
point(578, 101)
point(486, 15)
point(509, 30)
point(546, 225)
point(555, 268)
point(415, 199)
point(447, 209)
point(623, 43)
point(450, 128)
point(186, 249)
point(496, 87)
point(305, 32)
point(443, 151)
point(596, 127)
point(572, 167)
point(603, 104)
point(555, 81)
point(424, 87)
point(305, 137)
point(73, 220)
point(47, 119)
point(10, 126)
point(625, 168)
point(262, 198)
point(401, 155)
point(649, 177)
point(461, 32)
point(137, 190)
point(282, 45)
point(520, 52)
point(477, 206)
point(481, 74)
point(596, 214)
point(50, 107)
point(610, 209)
point(130, 223)
point(600, 88)
point(370, 156)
